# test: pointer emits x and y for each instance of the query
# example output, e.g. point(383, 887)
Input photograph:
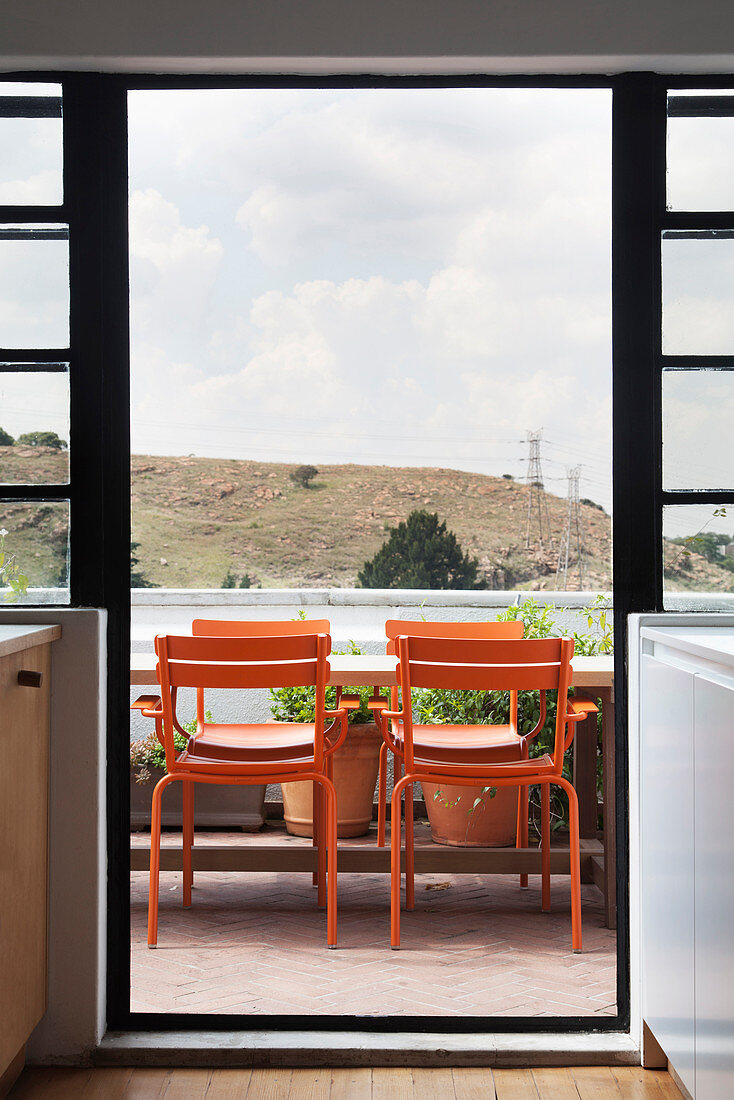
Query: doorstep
point(332, 1049)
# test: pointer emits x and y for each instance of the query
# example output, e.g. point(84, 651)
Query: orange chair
point(508, 743)
point(467, 755)
point(275, 752)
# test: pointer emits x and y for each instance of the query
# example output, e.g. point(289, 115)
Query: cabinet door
point(24, 721)
point(666, 821)
point(714, 888)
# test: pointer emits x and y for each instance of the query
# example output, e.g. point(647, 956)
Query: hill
point(197, 519)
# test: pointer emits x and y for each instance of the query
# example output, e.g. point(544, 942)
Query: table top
point(368, 669)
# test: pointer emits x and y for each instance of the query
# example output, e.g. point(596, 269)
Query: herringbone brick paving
point(473, 946)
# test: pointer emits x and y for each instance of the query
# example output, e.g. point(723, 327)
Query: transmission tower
point(573, 534)
point(538, 522)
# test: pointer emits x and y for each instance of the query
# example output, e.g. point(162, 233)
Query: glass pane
point(34, 426)
point(31, 144)
point(36, 547)
point(34, 287)
point(698, 412)
point(698, 292)
point(698, 557)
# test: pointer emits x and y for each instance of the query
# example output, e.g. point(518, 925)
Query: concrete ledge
point(293, 1049)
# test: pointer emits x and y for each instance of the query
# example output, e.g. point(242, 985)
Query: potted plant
point(355, 762)
point(215, 804)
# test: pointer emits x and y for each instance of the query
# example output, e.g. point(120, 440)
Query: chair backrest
point(241, 628)
point(485, 665)
point(247, 628)
point(515, 628)
point(296, 660)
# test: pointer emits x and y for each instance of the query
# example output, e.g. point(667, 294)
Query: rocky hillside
point(199, 521)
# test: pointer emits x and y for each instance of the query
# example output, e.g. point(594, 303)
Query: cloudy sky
point(398, 276)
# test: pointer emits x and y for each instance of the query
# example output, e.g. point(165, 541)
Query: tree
point(6, 440)
point(137, 580)
point(230, 581)
point(420, 553)
point(43, 439)
point(302, 475)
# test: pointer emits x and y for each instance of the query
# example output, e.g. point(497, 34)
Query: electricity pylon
point(538, 520)
point(573, 533)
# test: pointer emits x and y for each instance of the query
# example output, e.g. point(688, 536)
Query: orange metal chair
point(467, 755)
point(508, 743)
point(275, 752)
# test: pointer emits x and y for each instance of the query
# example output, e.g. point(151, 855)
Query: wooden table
point(594, 676)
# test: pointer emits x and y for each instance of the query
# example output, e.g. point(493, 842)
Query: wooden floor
point(593, 1083)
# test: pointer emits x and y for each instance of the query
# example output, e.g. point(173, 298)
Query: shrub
point(43, 439)
point(298, 704)
point(303, 475)
point(420, 553)
point(6, 440)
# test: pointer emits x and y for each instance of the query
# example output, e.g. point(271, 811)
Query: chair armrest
point(377, 705)
point(150, 706)
point(350, 702)
point(579, 708)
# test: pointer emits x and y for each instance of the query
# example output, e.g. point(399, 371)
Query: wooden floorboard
point(587, 1083)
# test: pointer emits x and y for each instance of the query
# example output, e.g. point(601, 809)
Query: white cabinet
point(687, 851)
point(714, 902)
point(668, 865)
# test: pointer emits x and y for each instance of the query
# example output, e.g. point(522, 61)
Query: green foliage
point(148, 752)
point(302, 475)
point(298, 704)
point(10, 574)
point(246, 581)
point(230, 581)
point(137, 579)
point(43, 439)
point(6, 440)
point(420, 553)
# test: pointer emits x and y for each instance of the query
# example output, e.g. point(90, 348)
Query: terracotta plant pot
point(492, 824)
point(355, 775)
point(215, 804)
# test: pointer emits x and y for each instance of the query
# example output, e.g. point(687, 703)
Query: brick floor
point(256, 944)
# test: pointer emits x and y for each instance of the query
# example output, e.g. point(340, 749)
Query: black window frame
point(95, 207)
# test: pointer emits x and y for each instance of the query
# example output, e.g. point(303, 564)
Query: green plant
point(298, 704)
point(10, 574)
point(230, 581)
point(6, 439)
point(137, 579)
point(303, 475)
point(43, 439)
point(148, 753)
point(420, 553)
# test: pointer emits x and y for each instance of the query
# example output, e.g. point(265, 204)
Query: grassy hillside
point(196, 519)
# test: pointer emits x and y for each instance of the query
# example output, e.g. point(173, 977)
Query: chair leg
point(188, 840)
point(327, 794)
point(545, 845)
point(522, 824)
point(395, 837)
point(573, 807)
point(320, 839)
point(409, 850)
point(155, 860)
point(382, 797)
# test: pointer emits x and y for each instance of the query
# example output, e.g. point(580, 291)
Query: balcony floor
point(255, 943)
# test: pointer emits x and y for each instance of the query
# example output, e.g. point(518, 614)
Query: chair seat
point(287, 741)
point(478, 744)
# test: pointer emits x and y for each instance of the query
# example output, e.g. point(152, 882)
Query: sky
point(393, 276)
